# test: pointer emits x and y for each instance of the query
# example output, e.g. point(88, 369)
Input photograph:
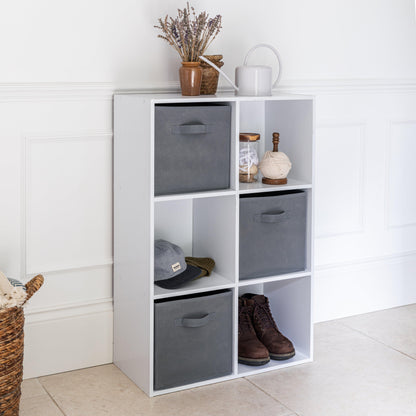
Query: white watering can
point(253, 80)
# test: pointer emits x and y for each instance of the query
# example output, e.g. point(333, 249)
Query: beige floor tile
point(352, 375)
point(32, 388)
point(106, 391)
point(394, 327)
point(38, 406)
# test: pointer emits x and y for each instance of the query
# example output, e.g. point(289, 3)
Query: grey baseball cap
point(171, 269)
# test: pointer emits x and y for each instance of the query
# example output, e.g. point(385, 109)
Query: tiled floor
point(364, 365)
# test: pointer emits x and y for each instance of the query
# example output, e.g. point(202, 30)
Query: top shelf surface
point(219, 97)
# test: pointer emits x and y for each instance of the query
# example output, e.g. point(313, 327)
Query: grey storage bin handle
point(272, 217)
point(190, 129)
point(195, 322)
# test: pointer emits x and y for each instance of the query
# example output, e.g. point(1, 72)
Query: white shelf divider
point(256, 187)
point(247, 370)
point(276, 278)
point(203, 284)
point(194, 195)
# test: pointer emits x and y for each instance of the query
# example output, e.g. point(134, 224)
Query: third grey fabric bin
point(272, 233)
point(193, 339)
point(192, 148)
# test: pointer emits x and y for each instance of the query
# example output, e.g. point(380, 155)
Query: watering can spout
point(220, 71)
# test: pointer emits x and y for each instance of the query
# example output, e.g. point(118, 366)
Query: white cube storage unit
point(203, 224)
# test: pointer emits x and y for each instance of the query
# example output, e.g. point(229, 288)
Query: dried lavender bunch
point(188, 33)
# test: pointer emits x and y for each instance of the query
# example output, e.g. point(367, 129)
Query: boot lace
point(265, 317)
point(244, 321)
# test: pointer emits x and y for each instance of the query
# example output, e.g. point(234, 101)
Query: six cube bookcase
point(204, 223)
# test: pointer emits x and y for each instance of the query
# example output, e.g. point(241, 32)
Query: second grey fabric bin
point(192, 148)
point(193, 339)
point(272, 233)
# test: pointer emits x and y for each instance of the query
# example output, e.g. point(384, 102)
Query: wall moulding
point(69, 267)
point(58, 91)
point(61, 91)
point(63, 311)
point(360, 263)
point(349, 86)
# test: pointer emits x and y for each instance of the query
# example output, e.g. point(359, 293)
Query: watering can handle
point(274, 50)
point(219, 70)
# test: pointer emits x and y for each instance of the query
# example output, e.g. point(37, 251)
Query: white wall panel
point(68, 201)
point(339, 179)
point(372, 269)
point(401, 174)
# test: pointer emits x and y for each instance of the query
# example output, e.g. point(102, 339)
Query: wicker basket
point(11, 352)
point(210, 75)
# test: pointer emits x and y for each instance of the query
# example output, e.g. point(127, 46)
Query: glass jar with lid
point(248, 157)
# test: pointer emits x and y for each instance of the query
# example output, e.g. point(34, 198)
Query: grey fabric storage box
point(193, 339)
point(192, 148)
point(272, 233)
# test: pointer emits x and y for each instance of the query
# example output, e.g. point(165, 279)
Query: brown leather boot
point(280, 348)
point(250, 350)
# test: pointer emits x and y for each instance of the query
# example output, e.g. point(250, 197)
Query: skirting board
point(68, 340)
point(363, 287)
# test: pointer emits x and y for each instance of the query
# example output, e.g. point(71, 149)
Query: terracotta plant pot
point(190, 75)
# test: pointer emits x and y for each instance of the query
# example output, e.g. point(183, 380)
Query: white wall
point(61, 62)
point(114, 40)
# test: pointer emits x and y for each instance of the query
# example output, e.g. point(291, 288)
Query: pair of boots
point(258, 336)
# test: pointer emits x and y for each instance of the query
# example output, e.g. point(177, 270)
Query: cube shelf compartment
point(290, 304)
point(202, 227)
point(203, 224)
